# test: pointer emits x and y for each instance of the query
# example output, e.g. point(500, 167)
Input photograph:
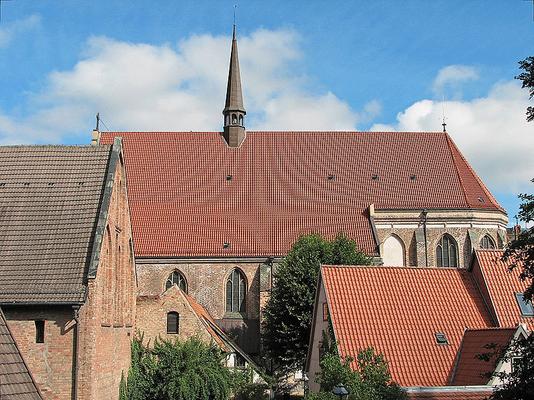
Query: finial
point(97, 121)
point(233, 33)
point(443, 123)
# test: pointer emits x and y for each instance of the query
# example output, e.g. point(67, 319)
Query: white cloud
point(180, 87)
point(11, 30)
point(491, 132)
point(452, 76)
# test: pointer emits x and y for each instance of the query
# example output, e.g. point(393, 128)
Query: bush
point(177, 371)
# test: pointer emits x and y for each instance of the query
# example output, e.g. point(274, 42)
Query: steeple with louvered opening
point(234, 111)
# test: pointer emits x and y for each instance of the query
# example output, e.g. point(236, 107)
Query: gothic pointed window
point(487, 242)
point(447, 252)
point(236, 290)
point(234, 119)
point(241, 120)
point(176, 278)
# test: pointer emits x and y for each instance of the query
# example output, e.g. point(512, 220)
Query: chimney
point(95, 135)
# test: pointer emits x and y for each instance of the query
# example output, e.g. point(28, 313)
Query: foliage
point(177, 370)
point(527, 78)
point(252, 391)
point(520, 252)
point(370, 379)
point(518, 384)
point(288, 313)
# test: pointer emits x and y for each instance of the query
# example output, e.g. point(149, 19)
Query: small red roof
point(470, 369)
point(399, 310)
point(502, 285)
point(190, 193)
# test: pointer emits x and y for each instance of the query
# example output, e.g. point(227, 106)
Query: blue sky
point(366, 65)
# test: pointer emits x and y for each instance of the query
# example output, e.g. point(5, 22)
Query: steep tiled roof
point(399, 310)
point(502, 285)
point(472, 370)
point(49, 203)
point(206, 319)
point(16, 381)
point(190, 193)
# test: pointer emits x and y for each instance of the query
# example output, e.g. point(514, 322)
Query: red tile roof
point(283, 184)
point(205, 317)
point(398, 311)
point(502, 285)
point(470, 369)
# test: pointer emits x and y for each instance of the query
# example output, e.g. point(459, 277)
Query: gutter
point(449, 389)
point(425, 214)
point(76, 312)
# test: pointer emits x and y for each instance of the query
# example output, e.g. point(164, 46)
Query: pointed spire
point(234, 111)
point(234, 96)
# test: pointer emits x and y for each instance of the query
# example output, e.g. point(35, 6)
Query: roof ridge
point(392, 267)
point(472, 171)
point(492, 328)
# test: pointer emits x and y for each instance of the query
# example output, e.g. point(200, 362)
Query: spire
point(234, 96)
point(234, 111)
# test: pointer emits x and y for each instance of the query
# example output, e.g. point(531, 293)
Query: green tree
point(370, 379)
point(527, 79)
point(177, 370)
point(519, 383)
point(288, 313)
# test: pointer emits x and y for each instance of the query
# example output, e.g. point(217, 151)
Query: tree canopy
point(519, 383)
point(288, 312)
point(178, 371)
point(369, 380)
point(527, 79)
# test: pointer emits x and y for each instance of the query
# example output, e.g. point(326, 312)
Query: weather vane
point(2, 1)
point(235, 7)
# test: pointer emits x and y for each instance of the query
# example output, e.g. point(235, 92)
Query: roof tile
point(283, 185)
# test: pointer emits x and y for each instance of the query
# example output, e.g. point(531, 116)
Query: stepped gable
point(399, 310)
point(16, 381)
point(190, 193)
point(49, 204)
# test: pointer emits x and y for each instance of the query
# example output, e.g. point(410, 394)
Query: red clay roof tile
point(470, 369)
point(190, 193)
point(399, 310)
point(502, 285)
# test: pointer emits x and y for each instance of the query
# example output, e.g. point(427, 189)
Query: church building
point(214, 212)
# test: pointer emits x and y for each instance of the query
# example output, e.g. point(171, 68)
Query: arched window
point(393, 252)
point(234, 119)
point(236, 290)
point(487, 242)
point(173, 322)
point(447, 252)
point(176, 278)
point(241, 120)
point(227, 120)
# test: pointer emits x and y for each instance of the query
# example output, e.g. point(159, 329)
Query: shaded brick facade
point(206, 282)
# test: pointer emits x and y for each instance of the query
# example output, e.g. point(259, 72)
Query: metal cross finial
point(235, 7)
point(443, 118)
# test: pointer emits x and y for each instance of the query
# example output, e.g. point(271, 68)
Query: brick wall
point(107, 318)
point(205, 282)
point(413, 242)
point(50, 362)
point(152, 317)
